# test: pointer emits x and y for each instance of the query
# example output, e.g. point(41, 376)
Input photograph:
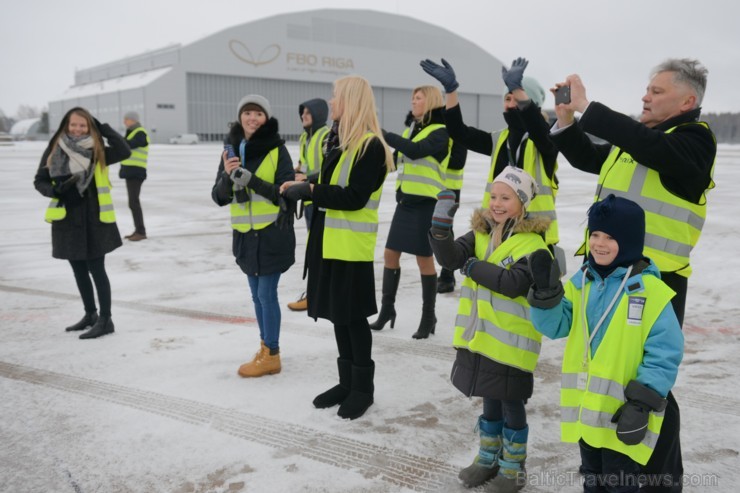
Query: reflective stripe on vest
point(587, 412)
point(351, 235)
point(672, 225)
point(544, 202)
point(56, 211)
point(425, 176)
point(140, 155)
point(495, 325)
point(312, 155)
point(454, 179)
point(258, 212)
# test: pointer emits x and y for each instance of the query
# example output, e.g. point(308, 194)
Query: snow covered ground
point(158, 406)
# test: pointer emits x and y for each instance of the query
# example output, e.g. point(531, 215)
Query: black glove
point(286, 214)
point(467, 267)
point(513, 76)
point(300, 191)
point(443, 73)
point(632, 417)
point(66, 187)
point(547, 290)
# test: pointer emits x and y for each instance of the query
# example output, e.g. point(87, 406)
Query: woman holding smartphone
point(253, 165)
point(341, 244)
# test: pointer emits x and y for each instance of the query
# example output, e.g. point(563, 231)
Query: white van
point(184, 139)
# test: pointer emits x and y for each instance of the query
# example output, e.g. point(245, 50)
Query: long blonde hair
point(497, 233)
point(355, 98)
point(432, 100)
point(98, 146)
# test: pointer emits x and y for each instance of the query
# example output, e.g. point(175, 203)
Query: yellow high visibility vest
point(495, 325)
point(425, 176)
point(258, 212)
point(313, 153)
point(351, 235)
point(544, 203)
point(56, 211)
point(140, 155)
point(586, 410)
point(672, 225)
point(453, 177)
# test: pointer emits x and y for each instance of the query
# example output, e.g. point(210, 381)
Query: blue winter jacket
point(664, 344)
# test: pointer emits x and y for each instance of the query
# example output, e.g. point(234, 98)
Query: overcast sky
point(612, 45)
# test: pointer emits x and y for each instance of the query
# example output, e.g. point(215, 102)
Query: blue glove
point(443, 73)
point(468, 266)
point(513, 76)
point(444, 210)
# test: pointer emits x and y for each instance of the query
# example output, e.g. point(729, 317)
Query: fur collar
point(482, 222)
point(263, 141)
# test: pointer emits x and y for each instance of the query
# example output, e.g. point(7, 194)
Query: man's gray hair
point(686, 71)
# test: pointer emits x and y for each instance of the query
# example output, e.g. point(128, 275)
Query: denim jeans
point(267, 307)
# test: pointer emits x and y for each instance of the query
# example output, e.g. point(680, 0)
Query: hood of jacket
point(482, 222)
point(319, 110)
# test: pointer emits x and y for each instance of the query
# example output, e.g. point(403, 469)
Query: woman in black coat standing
point(253, 166)
point(73, 172)
point(341, 244)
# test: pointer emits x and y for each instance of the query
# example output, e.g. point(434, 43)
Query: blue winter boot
point(512, 476)
point(486, 464)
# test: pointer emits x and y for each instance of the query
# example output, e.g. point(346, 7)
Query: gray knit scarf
point(73, 157)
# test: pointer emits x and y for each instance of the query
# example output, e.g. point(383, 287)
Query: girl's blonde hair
point(497, 233)
point(433, 100)
point(98, 147)
point(355, 97)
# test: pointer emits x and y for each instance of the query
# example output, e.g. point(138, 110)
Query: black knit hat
point(624, 221)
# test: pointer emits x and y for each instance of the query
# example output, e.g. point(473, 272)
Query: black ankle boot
point(429, 298)
point(103, 326)
point(338, 393)
point(387, 308)
point(87, 321)
point(360, 398)
point(446, 281)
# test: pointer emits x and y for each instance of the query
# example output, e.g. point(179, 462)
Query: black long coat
point(342, 291)
point(81, 235)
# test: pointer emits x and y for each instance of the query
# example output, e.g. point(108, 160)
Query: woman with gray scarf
point(73, 172)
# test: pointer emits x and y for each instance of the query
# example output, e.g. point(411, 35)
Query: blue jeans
point(267, 307)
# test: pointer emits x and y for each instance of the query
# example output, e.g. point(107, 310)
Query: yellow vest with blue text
point(351, 235)
point(495, 325)
point(672, 225)
point(258, 212)
point(56, 211)
point(586, 412)
point(312, 152)
point(140, 155)
point(424, 176)
point(544, 203)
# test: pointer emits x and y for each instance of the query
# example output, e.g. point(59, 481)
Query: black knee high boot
point(429, 298)
point(387, 303)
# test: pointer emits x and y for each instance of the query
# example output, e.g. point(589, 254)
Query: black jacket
point(682, 158)
point(272, 249)
point(81, 235)
point(139, 140)
point(474, 374)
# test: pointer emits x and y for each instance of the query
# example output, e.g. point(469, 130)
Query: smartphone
point(229, 151)
point(562, 95)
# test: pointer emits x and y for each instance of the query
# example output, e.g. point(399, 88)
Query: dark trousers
point(512, 413)
point(134, 190)
point(666, 462)
point(83, 269)
point(607, 471)
point(355, 342)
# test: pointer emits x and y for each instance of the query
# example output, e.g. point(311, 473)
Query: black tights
point(355, 342)
point(513, 413)
point(95, 267)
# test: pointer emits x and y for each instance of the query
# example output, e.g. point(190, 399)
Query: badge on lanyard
point(634, 311)
point(507, 261)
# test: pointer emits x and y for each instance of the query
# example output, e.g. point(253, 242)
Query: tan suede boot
point(264, 363)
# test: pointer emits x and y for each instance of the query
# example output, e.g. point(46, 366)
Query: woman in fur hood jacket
point(497, 346)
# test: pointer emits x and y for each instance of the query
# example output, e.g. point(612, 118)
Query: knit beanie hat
point(131, 115)
point(521, 182)
point(624, 221)
point(257, 100)
point(534, 90)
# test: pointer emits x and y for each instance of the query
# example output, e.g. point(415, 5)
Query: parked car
point(184, 139)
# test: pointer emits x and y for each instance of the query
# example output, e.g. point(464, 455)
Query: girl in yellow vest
point(73, 172)
point(623, 349)
point(422, 155)
point(341, 243)
point(263, 242)
point(497, 346)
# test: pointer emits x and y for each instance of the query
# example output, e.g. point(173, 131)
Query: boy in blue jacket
point(623, 349)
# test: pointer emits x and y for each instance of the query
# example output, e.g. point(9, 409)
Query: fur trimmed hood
point(482, 222)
